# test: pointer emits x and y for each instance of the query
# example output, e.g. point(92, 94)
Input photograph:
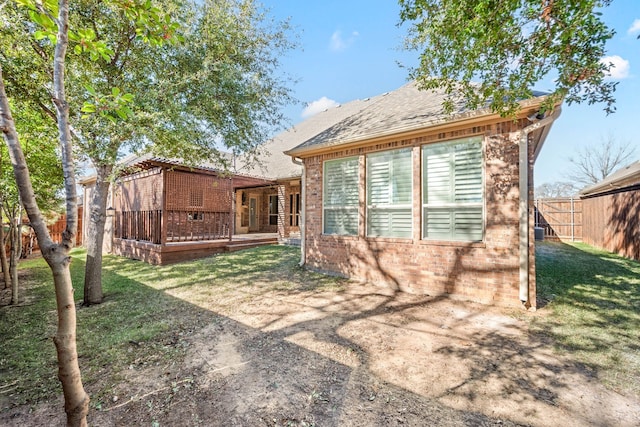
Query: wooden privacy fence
point(561, 218)
point(56, 229)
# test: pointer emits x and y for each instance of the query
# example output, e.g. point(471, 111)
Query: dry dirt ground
point(357, 356)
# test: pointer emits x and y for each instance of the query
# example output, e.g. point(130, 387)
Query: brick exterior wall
point(282, 190)
point(285, 190)
point(486, 271)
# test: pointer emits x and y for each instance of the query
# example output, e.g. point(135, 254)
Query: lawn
point(253, 330)
point(594, 301)
point(136, 325)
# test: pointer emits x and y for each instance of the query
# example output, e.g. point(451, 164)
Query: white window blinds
point(389, 194)
point(452, 190)
point(340, 196)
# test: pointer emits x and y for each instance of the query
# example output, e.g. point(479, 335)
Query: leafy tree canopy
point(40, 145)
point(508, 46)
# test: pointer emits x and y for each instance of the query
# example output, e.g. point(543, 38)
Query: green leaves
point(112, 107)
point(509, 46)
point(87, 43)
point(153, 26)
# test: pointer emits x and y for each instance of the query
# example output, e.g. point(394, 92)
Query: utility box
point(538, 232)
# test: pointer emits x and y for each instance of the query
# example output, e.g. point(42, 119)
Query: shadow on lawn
point(332, 357)
point(595, 296)
point(601, 288)
point(318, 355)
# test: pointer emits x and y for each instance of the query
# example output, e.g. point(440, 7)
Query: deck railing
point(144, 226)
point(197, 225)
point(182, 226)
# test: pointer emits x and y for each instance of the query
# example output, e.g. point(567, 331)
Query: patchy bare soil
point(360, 355)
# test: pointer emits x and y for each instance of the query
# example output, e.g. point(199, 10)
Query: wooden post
point(572, 221)
point(231, 209)
point(163, 211)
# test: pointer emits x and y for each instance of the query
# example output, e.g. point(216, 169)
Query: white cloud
point(620, 68)
point(314, 107)
point(635, 27)
point(338, 43)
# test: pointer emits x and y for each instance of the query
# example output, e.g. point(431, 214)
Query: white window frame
point(452, 207)
point(399, 214)
point(351, 207)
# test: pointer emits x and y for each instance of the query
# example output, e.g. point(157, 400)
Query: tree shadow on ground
point(303, 355)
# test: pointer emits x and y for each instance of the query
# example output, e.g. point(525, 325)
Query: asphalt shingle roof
point(623, 177)
point(404, 109)
point(274, 163)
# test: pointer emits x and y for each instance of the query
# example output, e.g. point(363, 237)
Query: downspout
point(523, 209)
point(303, 209)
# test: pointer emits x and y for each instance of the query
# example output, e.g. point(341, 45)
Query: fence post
point(572, 221)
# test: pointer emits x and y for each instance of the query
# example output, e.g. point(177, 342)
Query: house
point(402, 194)
point(387, 189)
point(162, 211)
point(611, 212)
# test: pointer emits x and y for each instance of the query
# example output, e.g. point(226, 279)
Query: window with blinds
point(389, 194)
point(452, 190)
point(340, 196)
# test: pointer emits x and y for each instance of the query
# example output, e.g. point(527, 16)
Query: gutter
point(523, 208)
point(462, 119)
point(303, 209)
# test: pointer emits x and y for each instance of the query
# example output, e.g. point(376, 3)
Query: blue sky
point(350, 49)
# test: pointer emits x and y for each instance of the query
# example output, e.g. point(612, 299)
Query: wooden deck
point(183, 251)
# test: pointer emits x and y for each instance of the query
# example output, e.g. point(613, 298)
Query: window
point(195, 216)
point(273, 209)
point(452, 195)
point(294, 209)
point(389, 194)
point(340, 196)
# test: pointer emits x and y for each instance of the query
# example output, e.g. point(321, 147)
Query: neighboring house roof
point(403, 110)
point(274, 163)
point(622, 178)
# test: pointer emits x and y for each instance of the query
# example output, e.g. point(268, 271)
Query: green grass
point(593, 314)
point(594, 302)
point(139, 323)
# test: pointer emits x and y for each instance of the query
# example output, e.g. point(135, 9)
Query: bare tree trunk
point(3, 251)
point(57, 255)
point(13, 263)
point(94, 237)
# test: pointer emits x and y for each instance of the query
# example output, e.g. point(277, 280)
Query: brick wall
point(286, 227)
point(486, 271)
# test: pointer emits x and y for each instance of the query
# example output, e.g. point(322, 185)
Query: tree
point(217, 89)
point(593, 163)
point(509, 46)
point(52, 20)
point(556, 189)
point(56, 255)
point(38, 136)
